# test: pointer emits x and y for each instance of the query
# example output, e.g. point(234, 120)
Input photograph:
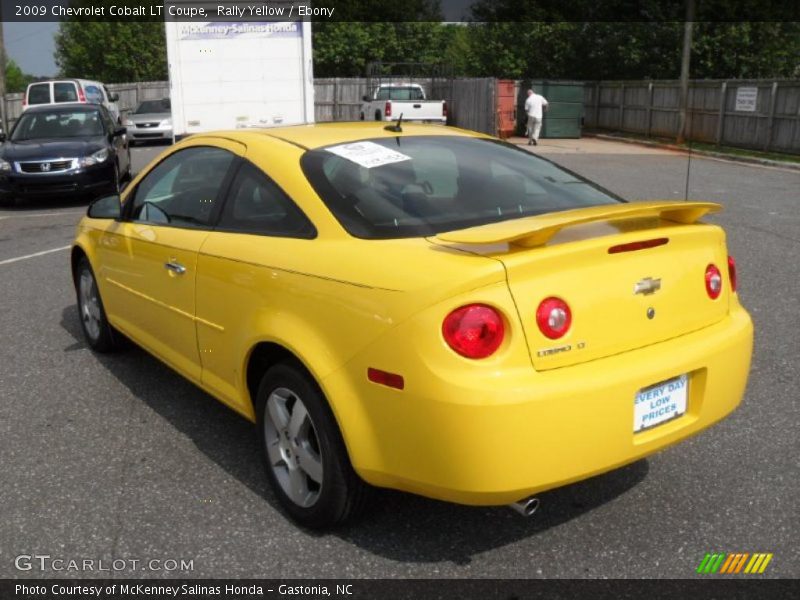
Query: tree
point(112, 52)
point(343, 49)
point(16, 80)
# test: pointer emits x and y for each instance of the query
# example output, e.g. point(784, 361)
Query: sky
point(31, 46)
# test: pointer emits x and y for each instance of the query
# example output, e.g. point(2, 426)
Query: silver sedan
point(152, 120)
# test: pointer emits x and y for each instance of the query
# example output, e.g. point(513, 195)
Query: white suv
point(58, 91)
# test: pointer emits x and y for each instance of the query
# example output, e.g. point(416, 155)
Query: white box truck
point(229, 75)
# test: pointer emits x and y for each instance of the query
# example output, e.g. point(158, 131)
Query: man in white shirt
point(534, 106)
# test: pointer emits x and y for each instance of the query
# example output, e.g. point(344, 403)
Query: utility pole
point(2, 75)
point(687, 53)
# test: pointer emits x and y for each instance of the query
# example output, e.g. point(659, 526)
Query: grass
point(706, 147)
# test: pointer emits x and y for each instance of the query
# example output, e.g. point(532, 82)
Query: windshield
point(423, 185)
point(400, 93)
point(153, 106)
point(61, 124)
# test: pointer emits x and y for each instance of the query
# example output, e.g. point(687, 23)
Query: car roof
point(319, 135)
point(63, 80)
point(63, 107)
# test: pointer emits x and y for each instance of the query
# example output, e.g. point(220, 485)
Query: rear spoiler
point(536, 231)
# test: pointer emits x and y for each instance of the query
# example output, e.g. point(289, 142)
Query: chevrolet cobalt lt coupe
point(430, 310)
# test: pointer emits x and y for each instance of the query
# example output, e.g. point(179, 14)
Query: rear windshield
point(39, 94)
point(65, 92)
point(152, 106)
point(57, 124)
point(400, 93)
point(423, 185)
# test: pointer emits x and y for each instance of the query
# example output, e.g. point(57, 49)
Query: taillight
point(732, 273)
point(387, 109)
point(713, 281)
point(444, 108)
point(474, 331)
point(553, 317)
point(24, 101)
point(81, 95)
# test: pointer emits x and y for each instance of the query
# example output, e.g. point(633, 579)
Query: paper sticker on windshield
point(368, 154)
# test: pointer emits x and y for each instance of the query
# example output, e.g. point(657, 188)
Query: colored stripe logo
point(725, 563)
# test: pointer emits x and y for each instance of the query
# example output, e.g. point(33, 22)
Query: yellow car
point(419, 308)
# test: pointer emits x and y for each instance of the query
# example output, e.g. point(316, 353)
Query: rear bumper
point(91, 181)
point(496, 440)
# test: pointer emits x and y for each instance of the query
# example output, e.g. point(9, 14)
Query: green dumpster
point(564, 111)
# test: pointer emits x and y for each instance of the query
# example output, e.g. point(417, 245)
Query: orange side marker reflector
point(392, 380)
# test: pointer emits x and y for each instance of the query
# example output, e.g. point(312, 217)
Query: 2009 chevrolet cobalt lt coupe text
point(430, 309)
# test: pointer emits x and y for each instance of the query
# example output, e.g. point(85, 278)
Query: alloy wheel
point(293, 448)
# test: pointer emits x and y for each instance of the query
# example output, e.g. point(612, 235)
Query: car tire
point(98, 332)
point(377, 115)
point(362, 116)
point(116, 182)
point(305, 456)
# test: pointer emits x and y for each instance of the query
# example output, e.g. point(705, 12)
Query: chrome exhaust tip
point(526, 507)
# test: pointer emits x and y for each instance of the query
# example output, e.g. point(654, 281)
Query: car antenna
point(398, 127)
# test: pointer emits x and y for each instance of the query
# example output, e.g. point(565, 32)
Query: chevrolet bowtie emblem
point(647, 286)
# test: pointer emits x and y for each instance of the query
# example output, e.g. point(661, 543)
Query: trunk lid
point(619, 300)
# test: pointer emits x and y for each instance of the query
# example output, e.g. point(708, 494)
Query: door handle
point(175, 267)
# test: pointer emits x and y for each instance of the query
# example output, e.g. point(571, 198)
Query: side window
point(257, 205)
point(39, 94)
point(93, 94)
point(108, 122)
point(182, 190)
point(65, 92)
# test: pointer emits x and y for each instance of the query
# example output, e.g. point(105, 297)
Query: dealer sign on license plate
point(660, 403)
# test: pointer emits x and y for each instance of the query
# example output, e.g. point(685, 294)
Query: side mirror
point(107, 207)
point(114, 97)
point(120, 131)
point(365, 98)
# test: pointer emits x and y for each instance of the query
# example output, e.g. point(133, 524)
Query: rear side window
point(182, 190)
point(65, 92)
point(39, 94)
point(257, 205)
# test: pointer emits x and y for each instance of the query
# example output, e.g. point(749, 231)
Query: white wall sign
point(746, 99)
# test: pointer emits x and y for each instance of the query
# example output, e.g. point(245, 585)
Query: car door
point(149, 259)
point(119, 142)
point(258, 225)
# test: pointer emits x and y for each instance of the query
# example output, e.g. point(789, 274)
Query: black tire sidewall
point(332, 503)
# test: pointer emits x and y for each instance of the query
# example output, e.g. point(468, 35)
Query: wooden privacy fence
point(757, 114)
point(471, 101)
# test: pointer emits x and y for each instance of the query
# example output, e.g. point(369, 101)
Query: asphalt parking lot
point(117, 457)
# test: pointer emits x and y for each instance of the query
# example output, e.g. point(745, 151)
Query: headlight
point(128, 123)
point(94, 159)
point(166, 123)
point(5, 166)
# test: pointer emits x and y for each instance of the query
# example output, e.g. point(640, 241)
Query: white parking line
point(34, 255)
point(50, 214)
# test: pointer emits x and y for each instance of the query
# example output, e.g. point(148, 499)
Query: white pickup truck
point(390, 100)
